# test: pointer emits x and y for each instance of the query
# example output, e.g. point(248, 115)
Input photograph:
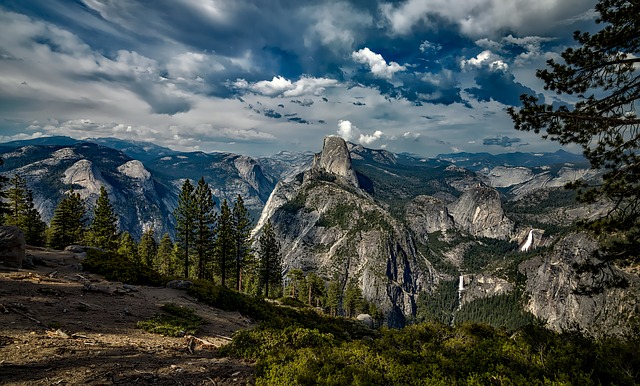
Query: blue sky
point(256, 77)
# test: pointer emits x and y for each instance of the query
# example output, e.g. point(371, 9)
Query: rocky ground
point(59, 325)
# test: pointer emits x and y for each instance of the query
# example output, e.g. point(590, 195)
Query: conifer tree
point(315, 289)
point(242, 239)
point(165, 258)
point(353, 300)
point(68, 223)
point(34, 228)
point(3, 206)
point(334, 293)
point(205, 218)
point(127, 247)
point(224, 244)
point(103, 231)
point(22, 212)
point(148, 249)
point(270, 260)
point(602, 75)
point(185, 223)
point(16, 196)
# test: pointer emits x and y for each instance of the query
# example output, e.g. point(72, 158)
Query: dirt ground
point(62, 326)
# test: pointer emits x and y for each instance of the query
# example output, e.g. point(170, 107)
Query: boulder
point(179, 284)
point(12, 246)
point(75, 248)
point(365, 319)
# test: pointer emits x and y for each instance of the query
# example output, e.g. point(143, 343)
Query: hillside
point(61, 325)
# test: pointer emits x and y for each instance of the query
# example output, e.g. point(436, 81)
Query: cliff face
point(572, 288)
point(479, 212)
point(327, 225)
point(426, 214)
point(335, 159)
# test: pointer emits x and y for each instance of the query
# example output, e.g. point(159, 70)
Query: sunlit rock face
point(571, 288)
point(479, 212)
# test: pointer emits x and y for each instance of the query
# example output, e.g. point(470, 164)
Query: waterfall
point(527, 244)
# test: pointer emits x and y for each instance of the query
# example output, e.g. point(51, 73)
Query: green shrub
point(176, 321)
point(116, 267)
point(291, 302)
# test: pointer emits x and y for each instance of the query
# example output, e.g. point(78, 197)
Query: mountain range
point(441, 238)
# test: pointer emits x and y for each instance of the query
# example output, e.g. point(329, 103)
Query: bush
point(116, 267)
point(177, 321)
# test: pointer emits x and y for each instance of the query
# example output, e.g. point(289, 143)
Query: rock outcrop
point(479, 212)
point(572, 288)
point(12, 246)
point(327, 225)
point(335, 159)
point(426, 214)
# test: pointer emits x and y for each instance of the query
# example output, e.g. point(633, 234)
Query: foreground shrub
point(175, 321)
point(114, 266)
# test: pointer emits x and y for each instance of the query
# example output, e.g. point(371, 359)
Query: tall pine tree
point(103, 231)
point(270, 260)
point(128, 248)
point(3, 206)
point(242, 239)
point(165, 258)
point(224, 244)
point(185, 223)
point(68, 223)
point(148, 249)
point(205, 218)
point(22, 212)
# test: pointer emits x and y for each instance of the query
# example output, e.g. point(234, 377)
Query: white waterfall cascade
point(527, 245)
point(460, 289)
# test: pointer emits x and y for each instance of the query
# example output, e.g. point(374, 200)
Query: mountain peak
point(335, 159)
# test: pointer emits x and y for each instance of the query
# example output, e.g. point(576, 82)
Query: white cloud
point(427, 46)
point(280, 86)
point(484, 59)
point(377, 64)
point(190, 65)
point(334, 24)
point(483, 17)
point(351, 133)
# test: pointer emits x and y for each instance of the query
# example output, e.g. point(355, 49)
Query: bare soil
point(61, 326)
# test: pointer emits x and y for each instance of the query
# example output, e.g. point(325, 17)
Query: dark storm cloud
point(499, 86)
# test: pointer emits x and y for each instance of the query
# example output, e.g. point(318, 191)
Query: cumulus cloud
point(376, 63)
point(280, 86)
point(351, 133)
point(485, 59)
point(482, 17)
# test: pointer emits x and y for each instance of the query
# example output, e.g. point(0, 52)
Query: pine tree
point(16, 201)
point(334, 293)
point(270, 259)
point(185, 223)
point(353, 299)
point(127, 247)
point(224, 244)
point(68, 223)
point(103, 231)
point(205, 218)
point(148, 249)
point(315, 289)
point(242, 238)
point(602, 75)
point(34, 228)
point(165, 258)
point(22, 212)
point(3, 206)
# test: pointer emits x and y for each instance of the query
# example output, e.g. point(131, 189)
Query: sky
point(256, 77)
